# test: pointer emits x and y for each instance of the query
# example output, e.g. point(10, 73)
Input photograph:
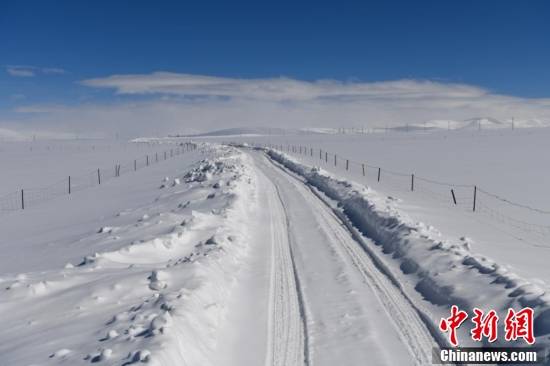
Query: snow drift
point(434, 274)
point(159, 297)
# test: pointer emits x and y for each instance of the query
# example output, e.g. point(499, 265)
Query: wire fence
point(530, 224)
point(29, 197)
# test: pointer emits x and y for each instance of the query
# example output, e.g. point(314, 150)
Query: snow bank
point(161, 298)
point(433, 273)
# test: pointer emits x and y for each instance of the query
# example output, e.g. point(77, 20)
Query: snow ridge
point(433, 273)
point(160, 299)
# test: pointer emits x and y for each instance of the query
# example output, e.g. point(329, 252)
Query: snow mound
point(435, 274)
point(157, 298)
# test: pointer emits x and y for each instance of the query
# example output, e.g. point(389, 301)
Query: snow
point(23, 163)
point(11, 135)
point(243, 255)
point(434, 273)
point(505, 163)
point(330, 270)
point(149, 283)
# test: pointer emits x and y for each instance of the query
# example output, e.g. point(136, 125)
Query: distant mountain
point(11, 135)
point(430, 125)
point(484, 122)
point(257, 131)
point(474, 123)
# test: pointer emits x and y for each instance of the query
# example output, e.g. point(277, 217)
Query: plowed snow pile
point(434, 274)
point(160, 298)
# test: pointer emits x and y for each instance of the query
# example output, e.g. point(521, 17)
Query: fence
point(529, 224)
point(480, 124)
point(28, 197)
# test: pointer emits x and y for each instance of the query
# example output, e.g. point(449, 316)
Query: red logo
point(452, 323)
point(518, 324)
point(485, 326)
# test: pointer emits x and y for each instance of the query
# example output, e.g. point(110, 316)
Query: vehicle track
point(405, 319)
point(287, 341)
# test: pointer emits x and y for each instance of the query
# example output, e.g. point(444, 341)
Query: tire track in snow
point(407, 321)
point(287, 340)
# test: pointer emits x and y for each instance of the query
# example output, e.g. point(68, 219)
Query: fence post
point(320, 154)
point(326, 157)
point(379, 169)
point(98, 177)
point(22, 199)
point(165, 155)
point(475, 194)
point(453, 194)
point(147, 161)
point(363, 166)
point(347, 164)
point(311, 151)
point(135, 165)
point(412, 182)
point(156, 157)
point(69, 184)
point(334, 159)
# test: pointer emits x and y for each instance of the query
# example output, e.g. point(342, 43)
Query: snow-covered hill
point(258, 131)
point(477, 123)
point(11, 135)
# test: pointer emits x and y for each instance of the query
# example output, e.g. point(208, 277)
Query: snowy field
point(251, 256)
point(42, 168)
point(512, 219)
point(509, 163)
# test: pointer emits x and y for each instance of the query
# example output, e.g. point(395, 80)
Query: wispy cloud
point(20, 71)
point(53, 71)
point(30, 71)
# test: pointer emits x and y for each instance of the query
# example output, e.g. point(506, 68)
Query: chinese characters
point(517, 325)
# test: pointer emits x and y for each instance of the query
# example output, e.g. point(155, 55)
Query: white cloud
point(20, 71)
point(277, 89)
point(53, 71)
point(30, 71)
point(190, 103)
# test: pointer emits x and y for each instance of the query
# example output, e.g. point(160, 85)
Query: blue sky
point(500, 46)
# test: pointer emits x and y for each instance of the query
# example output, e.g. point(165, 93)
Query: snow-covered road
point(327, 299)
point(243, 257)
